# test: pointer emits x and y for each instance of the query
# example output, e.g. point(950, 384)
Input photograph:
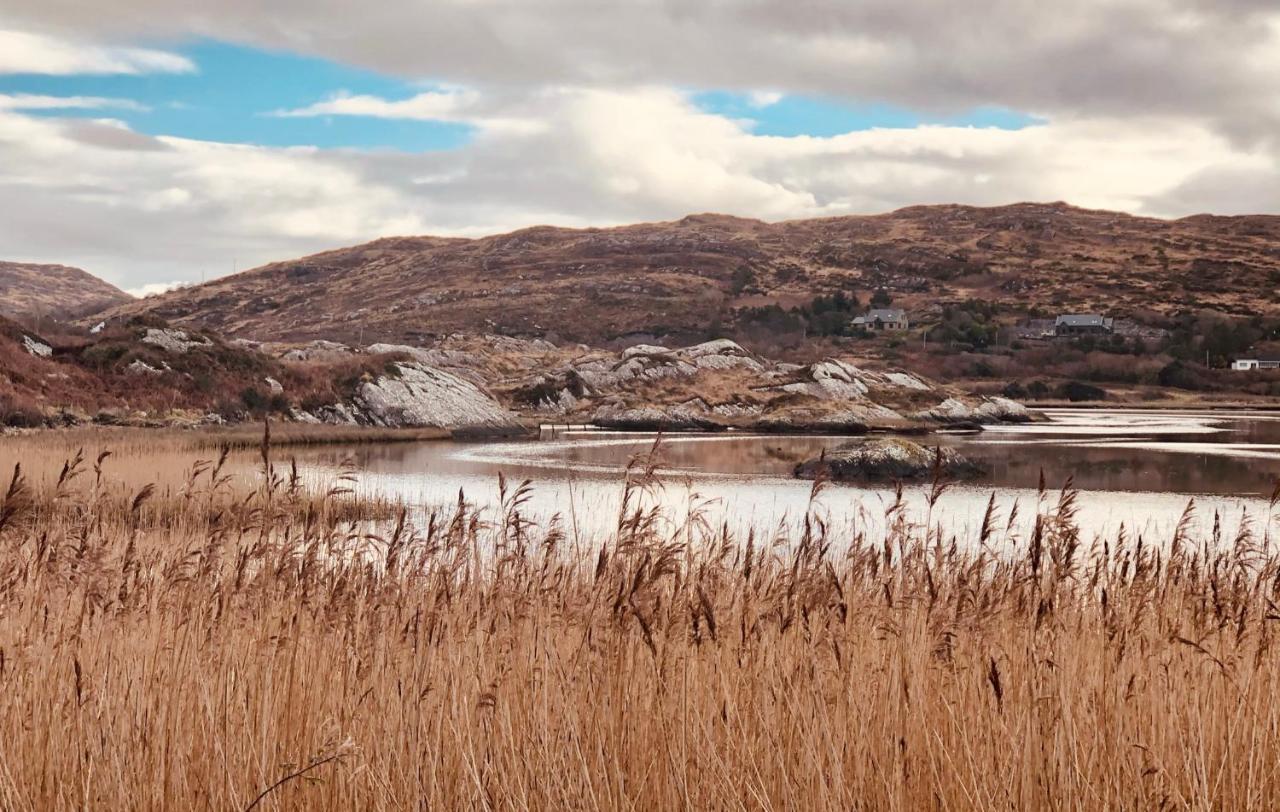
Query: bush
point(17, 414)
point(1077, 391)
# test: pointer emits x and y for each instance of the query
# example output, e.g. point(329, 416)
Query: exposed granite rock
point(718, 384)
point(174, 341)
point(36, 347)
point(886, 459)
point(986, 410)
point(140, 367)
point(690, 416)
point(420, 396)
point(319, 350)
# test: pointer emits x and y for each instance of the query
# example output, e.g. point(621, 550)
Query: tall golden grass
point(245, 643)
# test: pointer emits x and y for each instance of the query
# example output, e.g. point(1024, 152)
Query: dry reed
point(256, 645)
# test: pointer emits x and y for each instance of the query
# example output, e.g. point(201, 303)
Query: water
point(1136, 469)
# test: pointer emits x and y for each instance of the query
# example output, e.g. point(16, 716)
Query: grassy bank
point(237, 642)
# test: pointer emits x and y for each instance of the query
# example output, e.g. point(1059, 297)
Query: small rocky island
point(887, 459)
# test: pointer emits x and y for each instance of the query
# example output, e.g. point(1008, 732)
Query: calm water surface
point(1138, 469)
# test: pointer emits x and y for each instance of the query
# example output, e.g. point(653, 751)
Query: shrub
point(1077, 391)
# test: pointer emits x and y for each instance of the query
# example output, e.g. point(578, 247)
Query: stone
point(36, 348)
point(420, 396)
point(174, 341)
point(140, 367)
point(887, 459)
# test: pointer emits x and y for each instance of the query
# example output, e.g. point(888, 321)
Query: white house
point(1250, 364)
point(883, 319)
point(1076, 324)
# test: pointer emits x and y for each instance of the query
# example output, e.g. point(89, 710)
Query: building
point(1250, 364)
point(883, 319)
point(1083, 324)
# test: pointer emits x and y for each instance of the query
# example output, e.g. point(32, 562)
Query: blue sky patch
point(235, 89)
point(809, 115)
point(230, 97)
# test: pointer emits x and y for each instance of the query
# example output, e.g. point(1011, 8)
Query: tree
point(743, 278)
point(881, 298)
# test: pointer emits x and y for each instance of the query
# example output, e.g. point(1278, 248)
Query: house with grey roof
point(1083, 324)
point(884, 318)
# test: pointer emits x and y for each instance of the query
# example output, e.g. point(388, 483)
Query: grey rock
point(421, 396)
point(36, 348)
point(174, 341)
point(885, 459)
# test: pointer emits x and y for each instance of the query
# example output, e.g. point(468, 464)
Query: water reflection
point(1138, 469)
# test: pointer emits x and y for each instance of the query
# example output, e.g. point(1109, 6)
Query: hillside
point(698, 276)
point(32, 292)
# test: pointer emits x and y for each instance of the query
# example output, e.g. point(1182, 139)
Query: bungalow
point(1083, 324)
point(883, 319)
point(1250, 364)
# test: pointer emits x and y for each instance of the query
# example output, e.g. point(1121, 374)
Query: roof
point(1083, 320)
point(1261, 359)
point(886, 314)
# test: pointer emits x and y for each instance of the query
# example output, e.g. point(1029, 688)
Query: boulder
point(689, 416)
point(415, 395)
point(953, 410)
point(174, 341)
point(887, 459)
point(36, 347)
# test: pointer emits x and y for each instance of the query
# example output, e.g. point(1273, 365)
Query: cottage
point(1083, 324)
point(883, 319)
point(1251, 364)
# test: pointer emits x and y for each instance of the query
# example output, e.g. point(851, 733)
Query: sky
point(161, 142)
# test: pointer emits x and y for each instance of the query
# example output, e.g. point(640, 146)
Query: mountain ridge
point(33, 291)
point(679, 277)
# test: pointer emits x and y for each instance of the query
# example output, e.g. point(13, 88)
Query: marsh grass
point(229, 641)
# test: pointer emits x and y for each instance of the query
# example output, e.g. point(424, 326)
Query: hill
point(709, 274)
point(35, 292)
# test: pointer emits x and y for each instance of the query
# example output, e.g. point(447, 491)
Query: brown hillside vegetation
point(33, 292)
point(232, 642)
point(689, 276)
point(126, 373)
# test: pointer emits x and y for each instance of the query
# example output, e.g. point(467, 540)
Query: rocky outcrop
point(954, 410)
point(36, 347)
point(414, 395)
point(888, 459)
point(690, 416)
point(140, 367)
point(318, 350)
point(174, 341)
point(718, 384)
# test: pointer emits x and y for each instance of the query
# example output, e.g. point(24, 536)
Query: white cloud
point(1204, 60)
point(26, 101)
point(1163, 107)
point(431, 106)
point(24, 52)
point(460, 105)
point(143, 210)
point(155, 288)
point(764, 98)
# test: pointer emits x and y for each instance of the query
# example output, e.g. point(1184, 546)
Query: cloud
point(156, 288)
point(764, 98)
point(25, 52)
point(431, 106)
point(583, 115)
point(1209, 62)
point(459, 105)
point(26, 101)
point(144, 210)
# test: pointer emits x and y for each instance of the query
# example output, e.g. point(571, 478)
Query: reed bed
point(258, 645)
